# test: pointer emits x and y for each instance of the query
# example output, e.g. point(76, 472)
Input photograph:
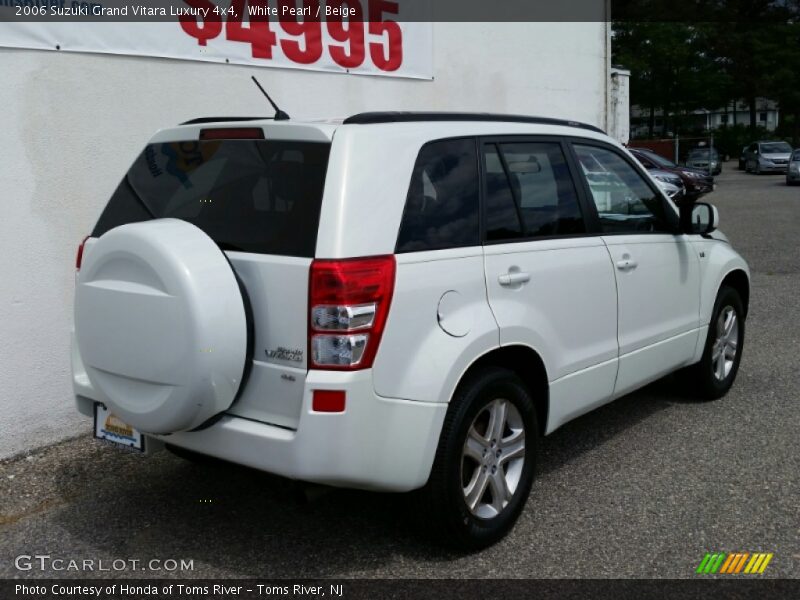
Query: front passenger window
point(625, 202)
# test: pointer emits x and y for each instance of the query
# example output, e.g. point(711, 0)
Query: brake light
point(79, 257)
point(232, 133)
point(348, 305)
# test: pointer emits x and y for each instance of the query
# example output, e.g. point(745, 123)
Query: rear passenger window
point(529, 192)
point(442, 204)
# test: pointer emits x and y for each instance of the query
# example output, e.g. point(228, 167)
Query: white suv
point(394, 301)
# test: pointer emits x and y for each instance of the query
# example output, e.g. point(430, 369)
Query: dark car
point(793, 173)
point(695, 181)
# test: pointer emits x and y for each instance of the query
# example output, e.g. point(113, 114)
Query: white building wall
point(72, 123)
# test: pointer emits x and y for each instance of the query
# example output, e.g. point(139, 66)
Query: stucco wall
point(72, 123)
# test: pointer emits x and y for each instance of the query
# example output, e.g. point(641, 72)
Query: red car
point(695, 181)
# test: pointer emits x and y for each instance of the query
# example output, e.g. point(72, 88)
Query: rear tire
point(485, 461)
point(714, 375)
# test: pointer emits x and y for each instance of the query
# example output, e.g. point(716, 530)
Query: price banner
point(348, 36)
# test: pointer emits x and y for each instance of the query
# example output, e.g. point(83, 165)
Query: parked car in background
point(670, 189)
point(696, 182)
point(742, 158)
point(793, 172)
point(767, 157)
point(671, 183)
point(705, 159)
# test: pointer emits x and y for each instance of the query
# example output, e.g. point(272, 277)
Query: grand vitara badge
point(281, 353)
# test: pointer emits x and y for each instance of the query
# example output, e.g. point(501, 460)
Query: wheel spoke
point(512, 447)
point(500, 492)
point(720, 366)
point(716, 353)
point(476, 488)
point(721, 326)
point(475, 446)
point(730, 321)
point(730, 352)
point(497, 421)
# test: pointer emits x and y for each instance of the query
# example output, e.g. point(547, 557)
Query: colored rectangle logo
point(734, 563)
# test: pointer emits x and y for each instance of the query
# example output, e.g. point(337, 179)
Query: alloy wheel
point(493, 458)
point(723, 353)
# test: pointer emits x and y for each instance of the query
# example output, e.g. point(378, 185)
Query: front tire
point(485, 461)
point(715, 373)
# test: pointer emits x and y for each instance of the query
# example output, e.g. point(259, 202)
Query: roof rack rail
point(368, 118)
point(221, 120)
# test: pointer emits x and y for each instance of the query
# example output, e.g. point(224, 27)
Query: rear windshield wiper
point(139, 199)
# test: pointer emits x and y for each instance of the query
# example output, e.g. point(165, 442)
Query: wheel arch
point(738, 280)
point(528, 365)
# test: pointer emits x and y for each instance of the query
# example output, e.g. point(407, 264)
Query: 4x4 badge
point(282, 353)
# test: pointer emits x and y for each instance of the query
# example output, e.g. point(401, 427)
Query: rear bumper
point(377, 443)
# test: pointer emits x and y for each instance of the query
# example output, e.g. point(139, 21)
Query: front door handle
point(627, 263)
point(514, 278)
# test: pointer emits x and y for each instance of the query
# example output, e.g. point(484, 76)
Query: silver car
point(705, 159)
point(767, 157)
point(793, 173)
point(669, 182)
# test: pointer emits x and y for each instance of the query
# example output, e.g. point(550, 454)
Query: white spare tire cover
point(160, 324)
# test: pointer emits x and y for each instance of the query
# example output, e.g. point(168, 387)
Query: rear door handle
point(627, 264)
point(514, 278)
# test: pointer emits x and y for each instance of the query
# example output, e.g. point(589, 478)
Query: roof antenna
point(279, 114)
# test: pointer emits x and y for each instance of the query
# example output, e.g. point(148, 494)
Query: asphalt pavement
point(643, 487)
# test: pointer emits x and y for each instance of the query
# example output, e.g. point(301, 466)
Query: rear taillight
point(348, 305)
point(79, 257)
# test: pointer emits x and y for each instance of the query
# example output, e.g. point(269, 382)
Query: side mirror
point(702, 218)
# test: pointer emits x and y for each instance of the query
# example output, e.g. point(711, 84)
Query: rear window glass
point(442, 204)
point(254, 196)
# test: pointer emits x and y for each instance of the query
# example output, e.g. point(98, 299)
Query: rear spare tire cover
point(160, 324)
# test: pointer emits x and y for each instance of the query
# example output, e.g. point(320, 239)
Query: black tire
point(702, 376)
point(443, 497)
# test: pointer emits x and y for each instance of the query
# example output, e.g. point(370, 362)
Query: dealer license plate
point(112, 429)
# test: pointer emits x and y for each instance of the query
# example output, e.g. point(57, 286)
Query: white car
point(396, 301)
